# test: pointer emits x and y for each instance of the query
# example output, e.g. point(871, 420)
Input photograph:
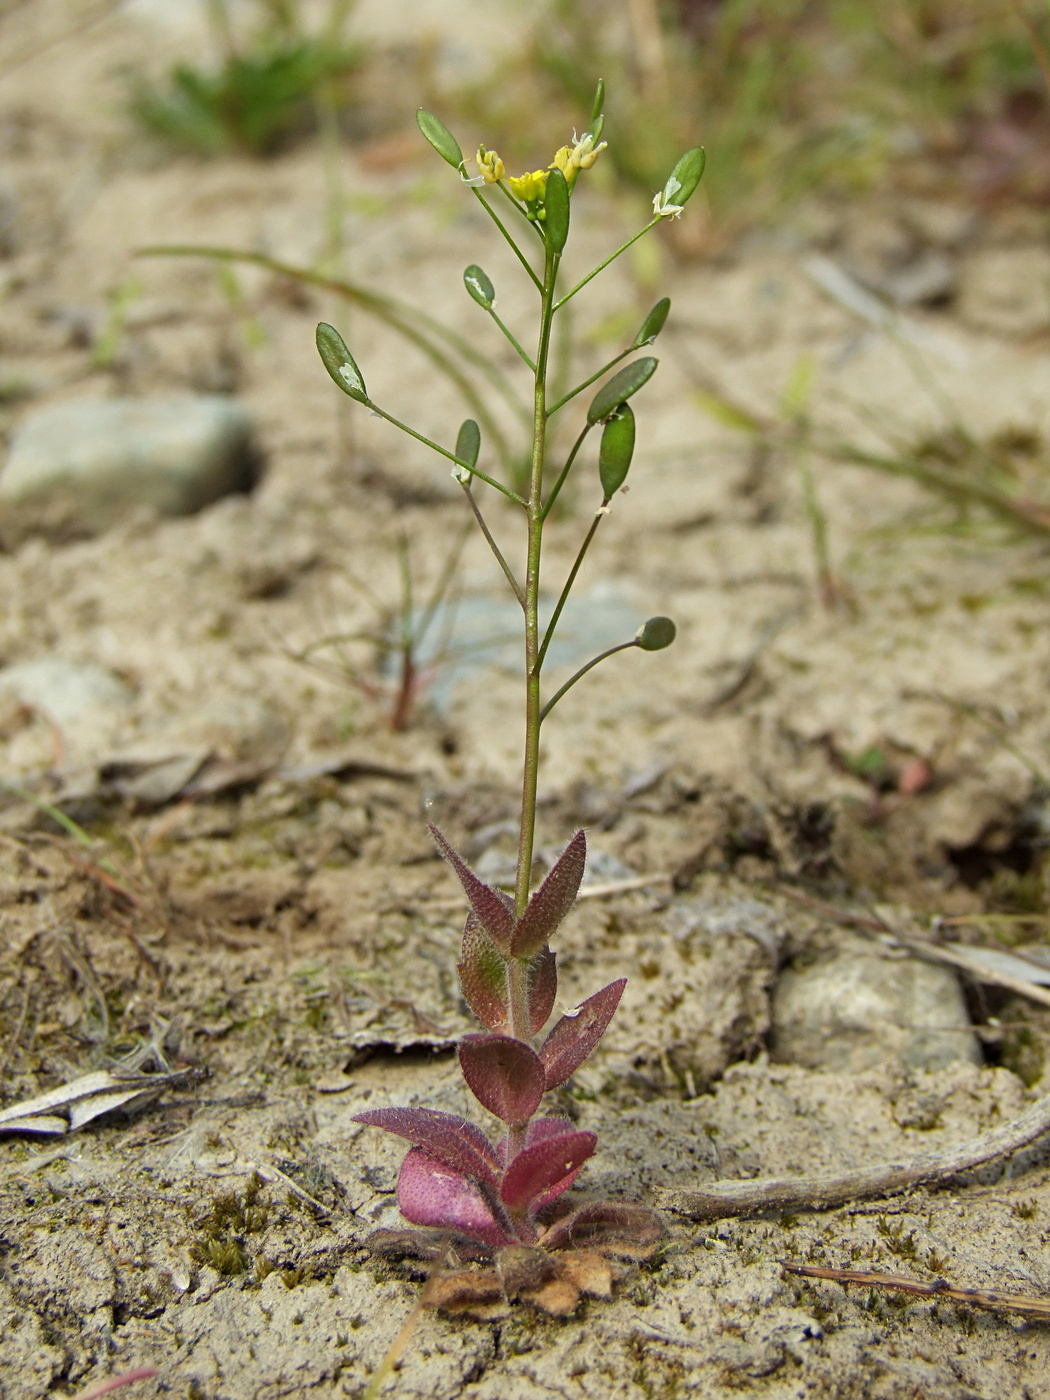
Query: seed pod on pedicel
point(620, 387)
point(599, 102)
point(468, 443)
point(479, 286)
point(657, 633)
point(616, 451)
point(556, 207)
point(652, 325)
point(339, 362)
point(684, 178)
point(439, 136)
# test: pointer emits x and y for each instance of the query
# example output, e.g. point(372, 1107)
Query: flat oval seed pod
point(556, 204)
point(652, 325)
point(479, 286)
point(468, 443)
point(657, 633)
point(685, 176)
point(616, 451)
point(439, 136)
point(599, 102)
point(339, 362)
point(620, 387)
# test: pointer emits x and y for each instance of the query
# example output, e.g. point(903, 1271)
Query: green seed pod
point(468, 443)
point(599, 102)
point(479, 286)
point(685, 177)
point(439, 136)
point(616, 451)
point(556, 204)
point(620, 387)
point(652, 325)
point(597, 127)
point(339, 362)
point(657, 633)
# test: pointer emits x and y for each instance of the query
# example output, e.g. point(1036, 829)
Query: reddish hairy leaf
point(552, 901)
point(574, 1037)
point(605, 1221)
point(483, 976)
point(489, 908)
point(430, 1193)
point(459, 1145)
point(546, 1169)
point(504, 1074)
point(543, 988)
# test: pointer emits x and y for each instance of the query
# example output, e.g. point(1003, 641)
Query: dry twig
point(1020, 1304)
point(727, 1198)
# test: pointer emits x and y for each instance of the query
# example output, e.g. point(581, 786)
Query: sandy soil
point(293, 937)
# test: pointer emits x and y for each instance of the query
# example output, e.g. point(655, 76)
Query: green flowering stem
point(588, 382)
point(508, 236)
point(531, 767)
point(622, 646)
point(444, 452)
point(603, 265)
point(548, 635)
point(500, 560)
point(563, 475)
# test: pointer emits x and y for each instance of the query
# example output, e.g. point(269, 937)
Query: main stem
point(517, 983)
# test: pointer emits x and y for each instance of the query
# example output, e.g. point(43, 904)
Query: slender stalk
point(564, 598)
point(500, 560)
point(442, 451)
point(588, 382)
point(508, 236)
point(603, 265)
point(512, 338)
point(581, 673)
point(565, 470)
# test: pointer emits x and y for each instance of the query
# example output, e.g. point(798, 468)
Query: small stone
point(1006, 291)
point(77, 468)
point(859, 1011)
point(84, 706)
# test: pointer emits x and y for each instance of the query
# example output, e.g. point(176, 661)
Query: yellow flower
point(530, 187)
point(563, 161)
point(490, 165)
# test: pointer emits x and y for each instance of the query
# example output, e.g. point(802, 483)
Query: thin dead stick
point(728, 1198)
point(94, 1392)
point(1018, 1303)
point(923, 948)
point(401, 1341)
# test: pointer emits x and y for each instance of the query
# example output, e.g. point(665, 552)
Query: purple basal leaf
point(449, 1139)
point(543, 988)
point(489, 908)
point(552, 901)
point(545, 1170)
point(574, 1037)
point(504, 1074)
point(429, 1193)
point(606, 1220)
point(483, 976)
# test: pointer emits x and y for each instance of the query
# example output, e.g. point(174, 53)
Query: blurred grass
point(789, 97)
point(273, 84)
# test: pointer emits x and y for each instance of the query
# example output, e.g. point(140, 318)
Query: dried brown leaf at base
point(553, 1280)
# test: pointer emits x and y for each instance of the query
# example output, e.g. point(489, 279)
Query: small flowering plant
point(504, 1201)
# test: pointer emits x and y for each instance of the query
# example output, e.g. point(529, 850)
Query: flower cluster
point(530, 188)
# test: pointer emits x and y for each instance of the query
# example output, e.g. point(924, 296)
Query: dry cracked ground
point(283, 930)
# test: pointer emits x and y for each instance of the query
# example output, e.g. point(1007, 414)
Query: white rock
point(859, 1011)
point(77, 468)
